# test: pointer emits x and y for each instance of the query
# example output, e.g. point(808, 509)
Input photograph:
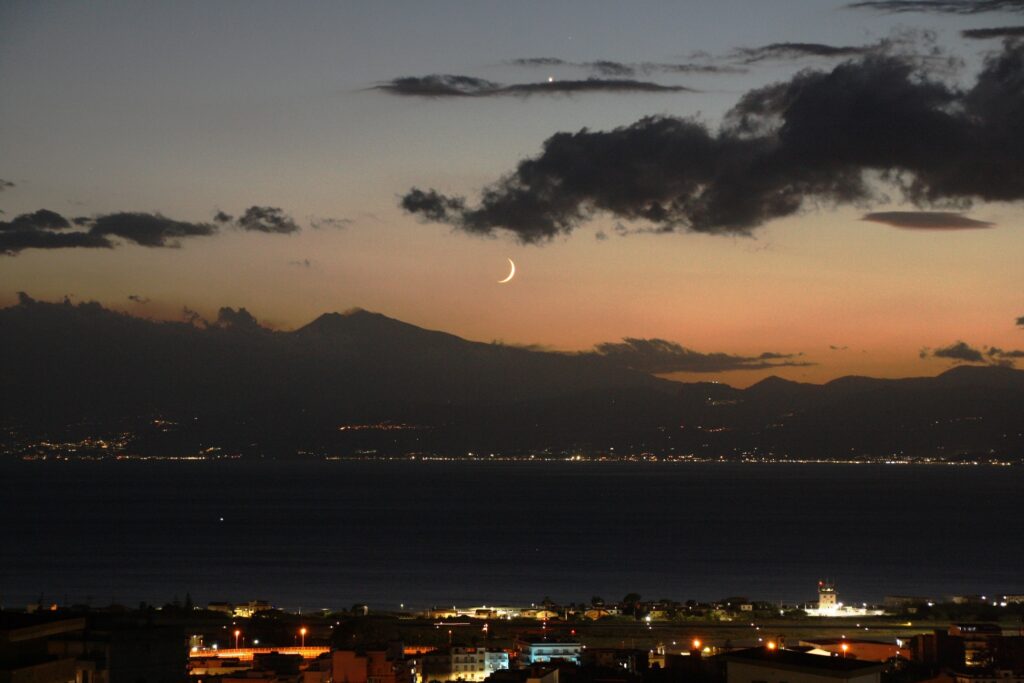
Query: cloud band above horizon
point(822, 136)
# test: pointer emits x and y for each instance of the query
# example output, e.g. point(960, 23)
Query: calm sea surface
point(329, 534)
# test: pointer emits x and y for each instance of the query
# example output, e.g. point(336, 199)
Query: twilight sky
point(264, 155)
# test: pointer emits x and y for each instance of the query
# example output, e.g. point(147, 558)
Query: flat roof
point(840, 641)
point(840, 667)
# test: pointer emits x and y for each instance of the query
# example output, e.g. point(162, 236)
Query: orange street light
point(772, 645)
point(302, 632)
point(237, 633)
point(696, 643)
point(845, 647)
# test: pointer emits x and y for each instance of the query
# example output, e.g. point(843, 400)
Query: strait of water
point(311, 535)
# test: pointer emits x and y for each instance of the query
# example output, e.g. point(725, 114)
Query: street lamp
point(845, 647)
point(237, 633)
point(302, 632)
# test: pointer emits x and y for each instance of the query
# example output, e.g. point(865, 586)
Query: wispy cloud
point(660, 357)
point(326, 222)
point(749, 55)
point(606, 67)
point(45, 229)
point(926, 220)
point(1001, 32)
point(446, 85)
point(268, 219)
point(962, 352)
point(941, 6)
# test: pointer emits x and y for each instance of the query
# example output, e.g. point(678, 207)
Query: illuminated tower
point(827, 599)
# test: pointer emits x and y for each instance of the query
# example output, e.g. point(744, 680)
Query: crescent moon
point(511, 273)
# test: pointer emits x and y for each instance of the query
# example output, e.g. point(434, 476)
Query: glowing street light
point(696, 643)
point(302, 632)
point(237, 633)
point(772, 645)
point(845, 647)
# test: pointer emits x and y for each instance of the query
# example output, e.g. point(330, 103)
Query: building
point(52, 648)
point(370, 666)
point(904, 601)
point(768, 665)
point(631, 660)
point(827, 597)
point(864, 650)
point(538, 649)
point(829, 606)
point(989, 676)
point(254, 606)
point(460, 664)
point(979, 642)
point(24, 648)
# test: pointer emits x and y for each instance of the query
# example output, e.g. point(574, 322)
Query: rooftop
point(840, 667)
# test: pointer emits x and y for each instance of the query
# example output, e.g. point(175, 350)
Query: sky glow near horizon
point(187, 109)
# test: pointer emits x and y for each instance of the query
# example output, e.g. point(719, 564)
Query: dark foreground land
point(340, 630)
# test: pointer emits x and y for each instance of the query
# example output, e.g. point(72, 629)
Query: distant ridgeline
point(360, 383)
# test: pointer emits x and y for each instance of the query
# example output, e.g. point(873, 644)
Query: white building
point(829, 605)
point(544, 649)
point(461, 664)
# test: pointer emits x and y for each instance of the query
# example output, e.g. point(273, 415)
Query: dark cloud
point(148, 229)
point(267, 219)
point(609, 68)
point(749, 55)
point(136, 298)
point(926, 220)
point(12, 242)
point(301, 263)
point(984, 33)
point(821, 137)
point(589, 85)
point(941, 6)
point(433, 205)
point(962, 352)
point(43, 219)
point(467, 86)
point(1004, 357)
point(834, 347)
point(45, 229)
point(5, 184)
point(318, 223)
point(1020, 321)
point(661, 356)
point(221, 217)
point(439, 85)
